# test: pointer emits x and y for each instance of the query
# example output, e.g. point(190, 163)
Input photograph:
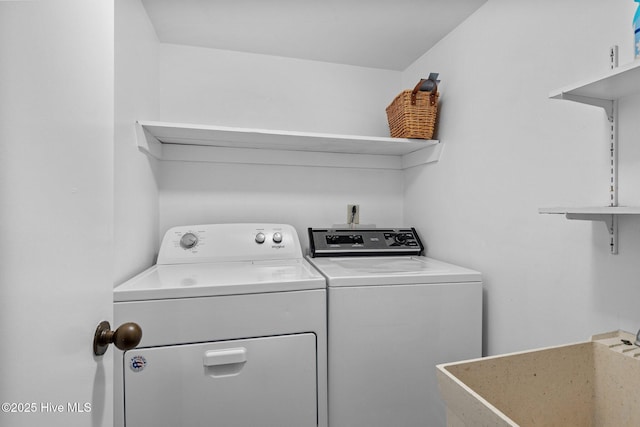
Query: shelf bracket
point(610, 221)
point(606, 104)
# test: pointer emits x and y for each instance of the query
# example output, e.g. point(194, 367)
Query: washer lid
point(216, 279)
point(372, 271)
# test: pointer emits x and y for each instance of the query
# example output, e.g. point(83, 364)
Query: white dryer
point(234, 332)
point(393, 315)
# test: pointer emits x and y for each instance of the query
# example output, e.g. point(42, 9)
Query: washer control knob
point(188, 240)
point(260, 238)
point(277, 237)
point(400, 238)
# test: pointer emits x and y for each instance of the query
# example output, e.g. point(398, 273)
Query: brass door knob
point(126, 337)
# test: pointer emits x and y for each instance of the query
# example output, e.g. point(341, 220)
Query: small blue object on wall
point(636, 31)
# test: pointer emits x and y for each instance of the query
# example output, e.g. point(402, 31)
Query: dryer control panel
point(229, 242)
point(362, 242)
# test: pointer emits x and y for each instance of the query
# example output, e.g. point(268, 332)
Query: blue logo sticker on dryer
point(137, 363)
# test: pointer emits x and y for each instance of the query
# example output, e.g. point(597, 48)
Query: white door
point(56, 219)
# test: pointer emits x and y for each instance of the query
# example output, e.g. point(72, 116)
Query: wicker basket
point(413, 113)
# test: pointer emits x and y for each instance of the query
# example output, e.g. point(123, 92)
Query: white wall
point(136, 98)
point(195, 193)
point(211, 86)
point(510, 150)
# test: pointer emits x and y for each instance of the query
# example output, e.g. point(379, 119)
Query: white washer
point(234, 332)
point(391, 320)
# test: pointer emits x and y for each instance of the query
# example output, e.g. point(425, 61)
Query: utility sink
point(588, 384)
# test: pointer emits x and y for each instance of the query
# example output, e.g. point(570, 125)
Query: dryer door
point(265, 382)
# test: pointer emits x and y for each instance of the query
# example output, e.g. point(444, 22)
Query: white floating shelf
point(187, 142)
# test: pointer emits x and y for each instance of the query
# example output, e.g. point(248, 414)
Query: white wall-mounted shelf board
point(607, 214)
point(595, 210)
point(604, 88)
point(188, 142)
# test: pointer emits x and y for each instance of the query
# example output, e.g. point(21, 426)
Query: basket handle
point(432, 94)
